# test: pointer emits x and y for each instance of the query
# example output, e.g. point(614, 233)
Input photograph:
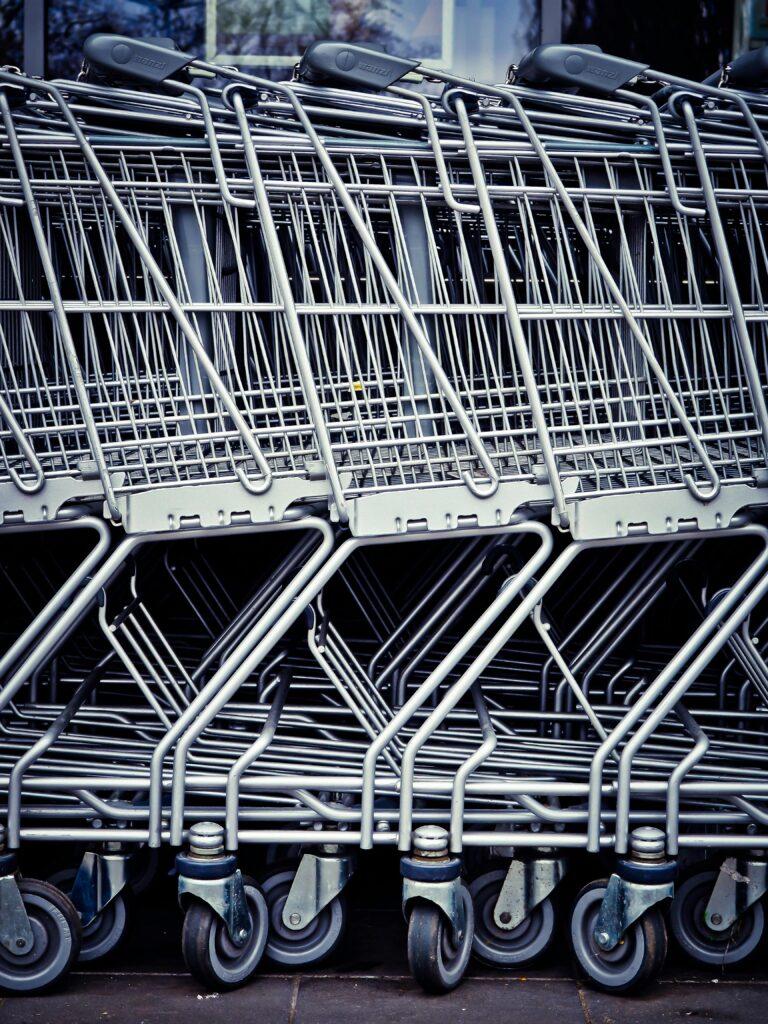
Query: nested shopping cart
point(428, 322)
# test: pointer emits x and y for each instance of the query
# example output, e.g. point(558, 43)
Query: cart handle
point(577, 66)
point(749, 71)
point(136, 59)
point(322, 62)
point(328, 62)
point(360, 67)
point(149, 61)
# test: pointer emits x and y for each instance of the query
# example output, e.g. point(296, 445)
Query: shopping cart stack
point(130, 299)
point(322, 364)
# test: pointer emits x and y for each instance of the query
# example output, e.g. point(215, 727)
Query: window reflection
point(476, 38)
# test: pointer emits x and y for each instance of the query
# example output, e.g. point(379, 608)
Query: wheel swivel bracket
point(226, 897)
point(15, 930)
point(318, 881)
point(624, 903)
point(740, 883)
point(526, 884)
point(100, 878)
point(445, 895)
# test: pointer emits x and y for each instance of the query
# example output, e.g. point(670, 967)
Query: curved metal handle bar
point(51, 277)
point(188, 331)
point(699, 89)
point(674, 402)
point(470, 765)
point(27, 450)
point(729, 281)
point(213, 142)
point(292, 322)
point(251, 755)
point(482, 488)
point(455, 691)
point(221, 687)
point(513, 317)
point(711, 631)
point(647, 103)
point(34, 631)
point(437, 149)
point(700, 747)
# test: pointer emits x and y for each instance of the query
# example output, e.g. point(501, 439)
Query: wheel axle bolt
point(242, 934)
point(505, 917)
point(603, 938)
point(20, 943)
point(295, 918)
point(717, 919)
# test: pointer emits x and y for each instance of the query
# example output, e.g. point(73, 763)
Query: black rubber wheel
point(56, 941)
point(311, 945)
point(497, 947)
point(212, 958)
point(697, 939)
point(437, 961)
point(630, 966)
point(105, 935)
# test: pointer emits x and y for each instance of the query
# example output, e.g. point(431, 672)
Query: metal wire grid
point(389, 426)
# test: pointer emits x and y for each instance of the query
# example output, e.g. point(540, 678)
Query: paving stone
point(149, 999)
point(392, 1001)
point(720, 1001)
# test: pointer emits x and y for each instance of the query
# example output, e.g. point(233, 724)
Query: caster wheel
point(701, 943)
point(56, 940)
point(212, 958)
point(318, 941)
point(634, 963)
point(437, 962)
point(106, 934)
point(499, 948)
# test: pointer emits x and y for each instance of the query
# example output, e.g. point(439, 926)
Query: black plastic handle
point(559, 64)
point(714, 79)
point(135, 59)
point(750, 70)
point(328, 63)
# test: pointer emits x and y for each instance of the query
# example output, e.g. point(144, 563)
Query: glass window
point(70, 22)
point(476, 38)
point(11, 32)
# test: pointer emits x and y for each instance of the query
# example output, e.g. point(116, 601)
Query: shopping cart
point(430, 321)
